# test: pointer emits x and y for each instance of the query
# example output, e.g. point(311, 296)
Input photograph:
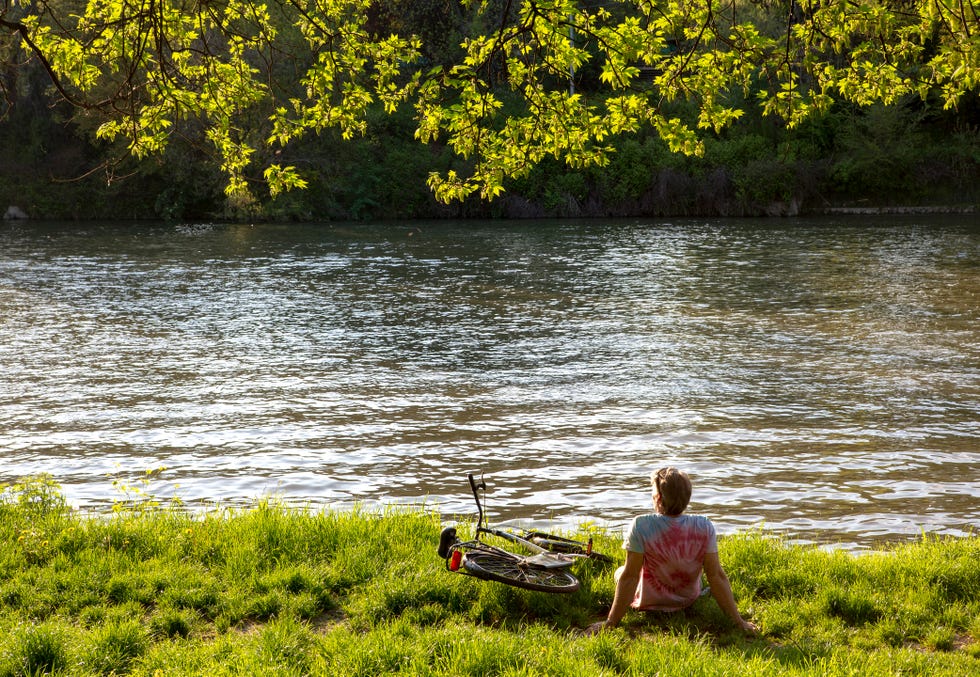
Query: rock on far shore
point(14, 213)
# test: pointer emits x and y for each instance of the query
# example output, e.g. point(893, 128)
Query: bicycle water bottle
point(455, 560)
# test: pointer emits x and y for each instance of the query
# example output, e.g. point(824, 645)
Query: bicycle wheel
point(493, 567)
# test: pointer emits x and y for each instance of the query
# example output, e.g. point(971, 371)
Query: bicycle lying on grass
point(545, 569)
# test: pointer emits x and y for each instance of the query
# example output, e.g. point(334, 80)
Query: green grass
point(158, 590)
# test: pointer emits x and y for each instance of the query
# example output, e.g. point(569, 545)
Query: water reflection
point(819, 378)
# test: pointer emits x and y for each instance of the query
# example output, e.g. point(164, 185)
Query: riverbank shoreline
point(898, 209)
point(15, 215)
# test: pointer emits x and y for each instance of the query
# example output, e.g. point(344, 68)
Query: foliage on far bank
point(426, 109)
point(161, 589)
point(502, 85)
point(901, 155)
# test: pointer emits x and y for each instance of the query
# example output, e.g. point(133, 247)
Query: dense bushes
point(906, 154)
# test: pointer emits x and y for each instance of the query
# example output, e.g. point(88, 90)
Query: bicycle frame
point(543, 557)
point(546, 570)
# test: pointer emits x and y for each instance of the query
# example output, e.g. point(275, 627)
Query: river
point(818, 378)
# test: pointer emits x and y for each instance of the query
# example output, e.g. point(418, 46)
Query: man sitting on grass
point(666, 553)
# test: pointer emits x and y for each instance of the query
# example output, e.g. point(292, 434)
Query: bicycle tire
point(492, 567)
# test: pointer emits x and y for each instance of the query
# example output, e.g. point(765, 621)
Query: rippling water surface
point(820, 379)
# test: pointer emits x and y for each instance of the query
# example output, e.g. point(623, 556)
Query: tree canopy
point(503, 83)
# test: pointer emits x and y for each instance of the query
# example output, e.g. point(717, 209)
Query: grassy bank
point(155, 590)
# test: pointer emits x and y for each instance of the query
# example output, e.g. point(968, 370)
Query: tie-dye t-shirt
point(673, 555)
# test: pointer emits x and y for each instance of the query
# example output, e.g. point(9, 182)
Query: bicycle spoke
point(507, 570)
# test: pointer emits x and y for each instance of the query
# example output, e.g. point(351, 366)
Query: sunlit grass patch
point(34, 650)
point(272, 590)
point(112, 648)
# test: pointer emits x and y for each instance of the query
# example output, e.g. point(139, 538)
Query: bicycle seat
point(446, 540)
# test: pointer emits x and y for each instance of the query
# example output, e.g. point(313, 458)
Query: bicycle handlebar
point(476, 496)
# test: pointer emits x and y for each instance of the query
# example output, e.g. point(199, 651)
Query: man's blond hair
point(674, 488)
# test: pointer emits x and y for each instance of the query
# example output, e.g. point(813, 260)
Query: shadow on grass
point(705, 624)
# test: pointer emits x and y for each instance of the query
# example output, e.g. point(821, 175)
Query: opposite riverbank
point(911, 155)
point(156, 589)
